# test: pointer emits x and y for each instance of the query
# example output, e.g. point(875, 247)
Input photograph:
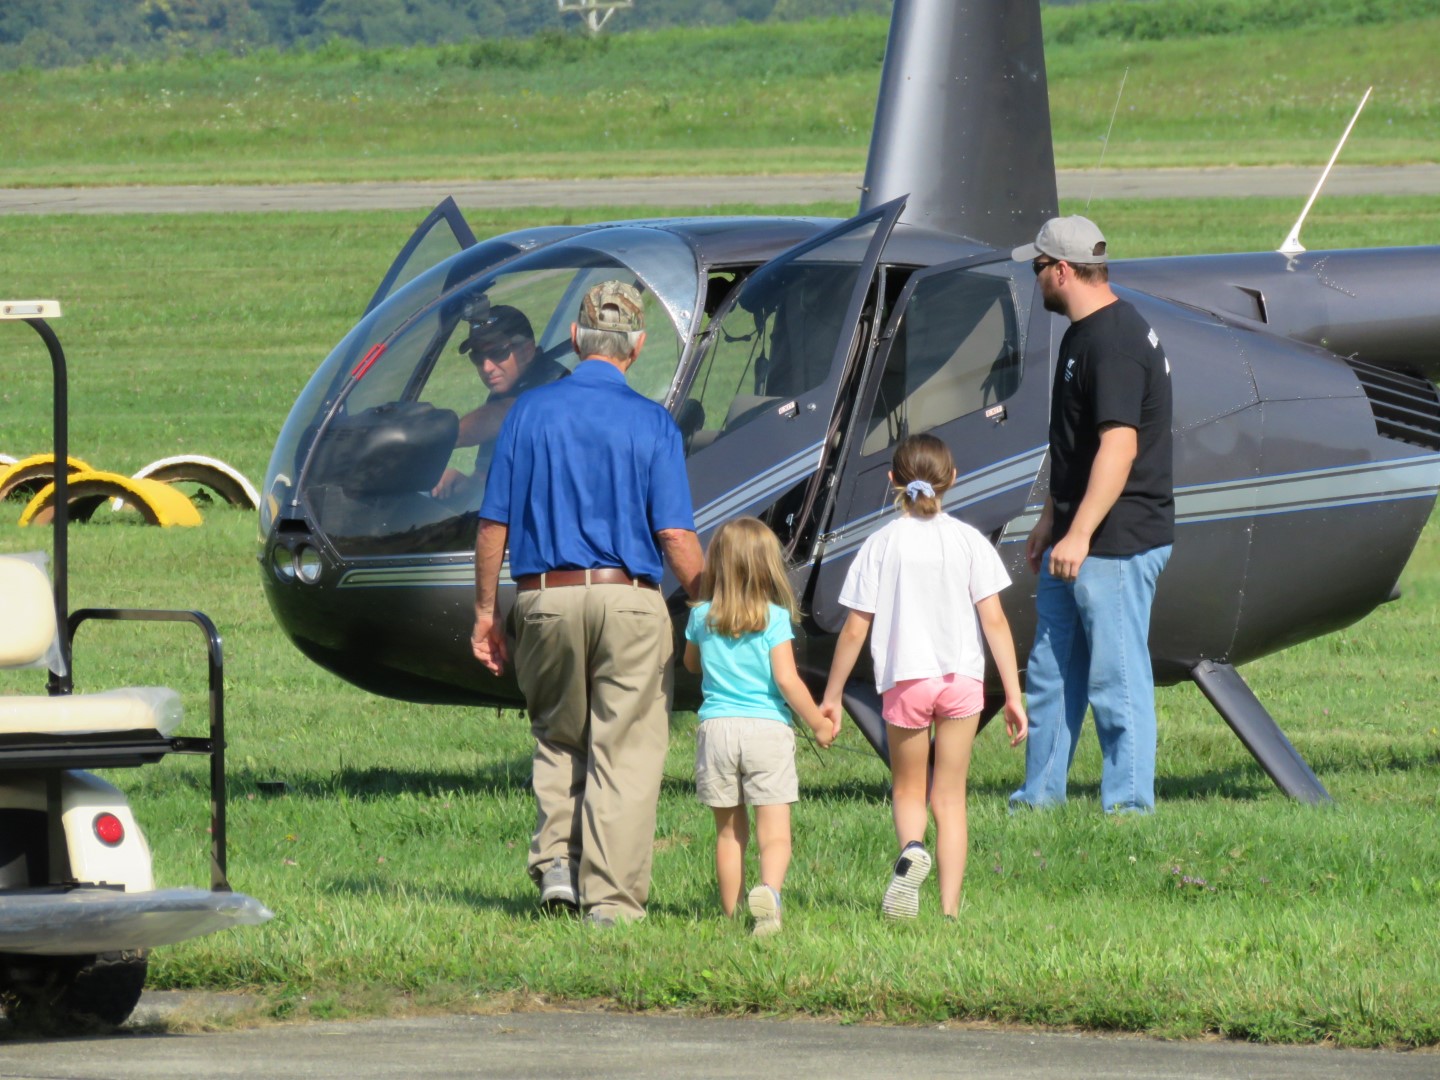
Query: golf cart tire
point(77, 994)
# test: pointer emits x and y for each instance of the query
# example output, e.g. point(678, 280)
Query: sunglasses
point(1039, 265)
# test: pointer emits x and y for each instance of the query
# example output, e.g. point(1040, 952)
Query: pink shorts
point(913, 703)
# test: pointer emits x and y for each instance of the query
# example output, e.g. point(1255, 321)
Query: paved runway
point(577, 1045)
point(692, 191)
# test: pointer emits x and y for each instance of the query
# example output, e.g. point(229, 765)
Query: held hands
point(487, 642)
point(833, 717)
point(824, 730)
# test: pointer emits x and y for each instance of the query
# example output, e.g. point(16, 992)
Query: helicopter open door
point(758, 410)
point(443, 233)
point(964, 357)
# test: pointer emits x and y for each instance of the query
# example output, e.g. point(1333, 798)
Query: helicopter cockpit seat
point(28, 639)
point(743, 409)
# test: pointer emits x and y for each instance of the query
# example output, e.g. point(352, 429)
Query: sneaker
point(902, 898)
point(557, 887)
point(599, 921)
point(765, 910)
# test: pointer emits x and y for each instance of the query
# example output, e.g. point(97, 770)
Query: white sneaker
point(765, 910)
point(902, 898)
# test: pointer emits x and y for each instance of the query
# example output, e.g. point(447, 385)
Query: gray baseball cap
point(1074, 239)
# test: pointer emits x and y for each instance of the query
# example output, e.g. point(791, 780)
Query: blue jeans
point(1091, 647)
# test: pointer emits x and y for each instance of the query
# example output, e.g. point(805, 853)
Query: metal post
point(35, 313)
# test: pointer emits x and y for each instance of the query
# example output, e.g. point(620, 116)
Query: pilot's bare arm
point(681, 548)
point(451, 481)
point(1119, 444)
point(487, 640)
point(482, 425)
point(691, 659)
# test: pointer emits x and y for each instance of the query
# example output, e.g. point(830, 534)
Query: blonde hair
point(744, 575)
point(921, 457)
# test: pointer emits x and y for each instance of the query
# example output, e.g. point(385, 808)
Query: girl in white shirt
point(923, 589)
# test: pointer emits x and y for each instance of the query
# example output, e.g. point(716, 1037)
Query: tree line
point(57, 33)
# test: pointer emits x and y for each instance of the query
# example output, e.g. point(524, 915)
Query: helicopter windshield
point(400, 453)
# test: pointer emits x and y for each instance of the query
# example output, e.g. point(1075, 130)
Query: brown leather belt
point(559, 579)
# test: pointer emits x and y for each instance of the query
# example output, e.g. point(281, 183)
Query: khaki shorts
point(745, 761)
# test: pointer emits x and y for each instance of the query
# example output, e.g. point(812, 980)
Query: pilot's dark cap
point(499, 327)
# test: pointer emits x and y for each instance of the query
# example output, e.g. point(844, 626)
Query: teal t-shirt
point(736, 678)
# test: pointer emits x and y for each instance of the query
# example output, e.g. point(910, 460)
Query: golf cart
point(79, 910)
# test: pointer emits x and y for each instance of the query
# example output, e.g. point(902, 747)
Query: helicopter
point(795, 352)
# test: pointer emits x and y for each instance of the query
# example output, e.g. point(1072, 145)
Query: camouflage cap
point(612, 305)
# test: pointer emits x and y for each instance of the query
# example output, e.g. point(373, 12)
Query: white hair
point(611, 344)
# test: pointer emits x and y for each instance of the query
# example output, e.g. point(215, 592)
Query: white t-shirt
point(921, 578)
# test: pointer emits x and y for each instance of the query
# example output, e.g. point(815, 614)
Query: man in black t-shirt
point(1105, 532)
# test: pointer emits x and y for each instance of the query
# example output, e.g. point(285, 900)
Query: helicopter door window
point(771, 347)
point(955, 351)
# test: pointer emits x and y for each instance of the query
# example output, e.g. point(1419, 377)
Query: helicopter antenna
point(1292, 245)
point(1104, 143)
point(594, 13)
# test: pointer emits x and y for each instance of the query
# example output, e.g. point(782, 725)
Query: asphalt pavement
point(692, 191)
point(574, 1045)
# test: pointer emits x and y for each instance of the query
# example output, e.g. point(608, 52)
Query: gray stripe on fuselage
point(772, 481)
point(1289, 493)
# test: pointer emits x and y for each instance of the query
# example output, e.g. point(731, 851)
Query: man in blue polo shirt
point(588, 485)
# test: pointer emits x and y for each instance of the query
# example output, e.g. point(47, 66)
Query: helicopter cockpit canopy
point(389, 447)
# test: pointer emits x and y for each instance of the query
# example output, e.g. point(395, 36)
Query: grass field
point(796, 97)
point(395, 860)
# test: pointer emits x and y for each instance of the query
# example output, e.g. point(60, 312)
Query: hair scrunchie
point(916, 488)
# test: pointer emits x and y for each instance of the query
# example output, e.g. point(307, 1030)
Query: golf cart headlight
point(282, 562)
point(307, 564)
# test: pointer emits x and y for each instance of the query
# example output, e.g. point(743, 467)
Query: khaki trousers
point(594, 665)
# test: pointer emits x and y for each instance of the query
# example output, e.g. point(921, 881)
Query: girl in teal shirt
point(739, 640)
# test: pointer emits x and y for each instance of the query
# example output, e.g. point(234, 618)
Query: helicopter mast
point(976, 164)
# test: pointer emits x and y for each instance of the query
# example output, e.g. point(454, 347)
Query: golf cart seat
point(27, 637)
point(112, 728)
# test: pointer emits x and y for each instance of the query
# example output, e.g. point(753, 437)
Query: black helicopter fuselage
point(1295, 468)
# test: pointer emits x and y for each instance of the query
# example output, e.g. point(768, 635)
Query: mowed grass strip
point(741, 99)
point(395, 858)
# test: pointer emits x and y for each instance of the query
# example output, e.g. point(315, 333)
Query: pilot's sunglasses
point(1039, 265)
